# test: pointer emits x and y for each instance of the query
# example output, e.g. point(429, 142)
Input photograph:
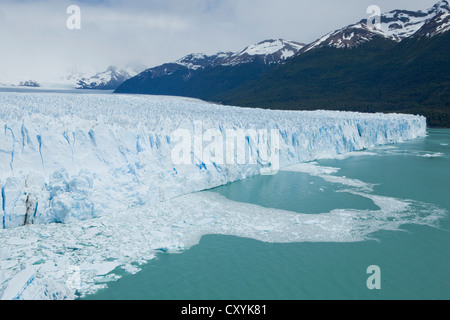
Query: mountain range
point(204, 76)
point(399, 64)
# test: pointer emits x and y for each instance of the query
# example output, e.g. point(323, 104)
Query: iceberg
point(67, 157)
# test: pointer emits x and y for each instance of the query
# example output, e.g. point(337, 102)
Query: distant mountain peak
point(441, 7)
point(29, 83)
point(109, 79)
point(440, 23)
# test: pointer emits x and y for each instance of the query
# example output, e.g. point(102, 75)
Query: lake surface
point(414, 261)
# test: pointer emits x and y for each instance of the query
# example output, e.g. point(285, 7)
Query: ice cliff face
point(69, 157)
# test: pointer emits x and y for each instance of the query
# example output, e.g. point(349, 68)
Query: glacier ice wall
point(66, 157)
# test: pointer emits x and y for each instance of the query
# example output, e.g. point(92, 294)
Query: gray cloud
point(35, 43)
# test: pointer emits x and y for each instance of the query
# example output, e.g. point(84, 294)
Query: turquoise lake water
point(414, 262)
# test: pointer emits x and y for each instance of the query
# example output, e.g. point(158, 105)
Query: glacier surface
point(92, 178)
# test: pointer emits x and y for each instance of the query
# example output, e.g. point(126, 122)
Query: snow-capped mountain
point(71, 77)
point(439, 24)
point(106, 80)
point(274, 51)
point(200, 75)
point(29, 83)
point(395, 25)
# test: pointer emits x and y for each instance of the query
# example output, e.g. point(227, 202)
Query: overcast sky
point(35, 42)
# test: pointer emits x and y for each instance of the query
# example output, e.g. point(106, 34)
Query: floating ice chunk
point(312, 168)
point(99, 268)
point(19, 283)
point(349, 182)
point(131, 268)
point(431, 155)
point(355, 154)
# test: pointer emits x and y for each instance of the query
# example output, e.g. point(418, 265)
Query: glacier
point(88, 184)
point(66, 157)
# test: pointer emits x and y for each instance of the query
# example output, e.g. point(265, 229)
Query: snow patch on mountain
point(197, 61)
point(274, 51)
point(270, 47)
